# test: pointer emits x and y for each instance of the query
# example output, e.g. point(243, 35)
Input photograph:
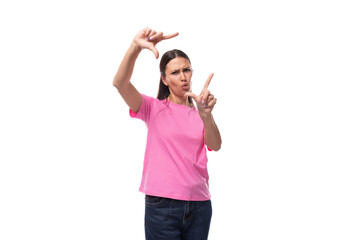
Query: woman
point(175, 176)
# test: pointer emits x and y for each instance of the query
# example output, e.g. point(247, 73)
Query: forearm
point(124, 73)
point(122, 78)
point(212, 134)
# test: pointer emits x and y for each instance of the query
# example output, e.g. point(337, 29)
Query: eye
point(187, 70)
point(175, 72)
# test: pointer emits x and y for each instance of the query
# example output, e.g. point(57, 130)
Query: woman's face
point(178, 75)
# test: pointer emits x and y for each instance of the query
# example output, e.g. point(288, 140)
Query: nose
point(183, 77)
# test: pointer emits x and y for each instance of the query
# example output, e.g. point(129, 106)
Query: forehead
point(178, 62)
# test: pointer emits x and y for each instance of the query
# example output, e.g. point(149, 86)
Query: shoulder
point(151, 100)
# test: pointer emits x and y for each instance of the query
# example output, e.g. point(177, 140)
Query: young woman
point(175, 177)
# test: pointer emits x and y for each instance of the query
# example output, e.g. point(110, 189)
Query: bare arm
point(212, 133)
point(122, 78)
point(205, 103)
point(146, 38)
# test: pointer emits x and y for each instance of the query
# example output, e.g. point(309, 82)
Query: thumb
point(155, 51)
point(190, 94)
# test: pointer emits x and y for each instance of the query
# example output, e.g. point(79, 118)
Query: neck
point(179, 100)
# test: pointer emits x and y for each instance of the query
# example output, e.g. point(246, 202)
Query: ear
point(165, 82)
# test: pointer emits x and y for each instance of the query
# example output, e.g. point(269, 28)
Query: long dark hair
point(164, 91)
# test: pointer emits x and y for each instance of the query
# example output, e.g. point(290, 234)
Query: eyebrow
point(177, 69)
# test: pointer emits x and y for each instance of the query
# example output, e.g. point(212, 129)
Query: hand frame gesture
point(148, 38)
point(205, 102)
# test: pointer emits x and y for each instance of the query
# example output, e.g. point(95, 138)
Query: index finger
point(207, 83)
point(170, 35)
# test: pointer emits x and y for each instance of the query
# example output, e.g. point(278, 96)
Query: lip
point(186, 85)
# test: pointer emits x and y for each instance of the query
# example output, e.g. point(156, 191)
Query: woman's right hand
point(148, 38)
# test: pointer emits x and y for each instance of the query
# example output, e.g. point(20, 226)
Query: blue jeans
point(170, 219)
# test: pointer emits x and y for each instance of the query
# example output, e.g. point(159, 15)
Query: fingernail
point(151, 38)
point(203, 101)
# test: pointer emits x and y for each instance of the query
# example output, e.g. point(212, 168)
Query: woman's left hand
point(205, 102)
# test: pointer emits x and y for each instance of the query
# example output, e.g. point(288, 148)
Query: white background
point(287, 82)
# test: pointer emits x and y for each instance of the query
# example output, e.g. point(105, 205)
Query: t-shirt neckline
point(178, 105)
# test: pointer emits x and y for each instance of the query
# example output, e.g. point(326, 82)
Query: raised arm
point(146, 38)
point(205, 103)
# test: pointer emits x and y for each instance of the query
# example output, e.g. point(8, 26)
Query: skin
point(177, 74)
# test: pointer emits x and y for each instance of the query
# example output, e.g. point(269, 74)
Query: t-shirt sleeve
point(145, 109)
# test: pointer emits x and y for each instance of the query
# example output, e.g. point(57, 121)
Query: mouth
point(186, 86)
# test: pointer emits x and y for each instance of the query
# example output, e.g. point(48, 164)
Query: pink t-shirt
point(175, 164)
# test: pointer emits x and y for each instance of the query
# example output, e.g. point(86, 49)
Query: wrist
point(206, 116)
point(136, 47)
